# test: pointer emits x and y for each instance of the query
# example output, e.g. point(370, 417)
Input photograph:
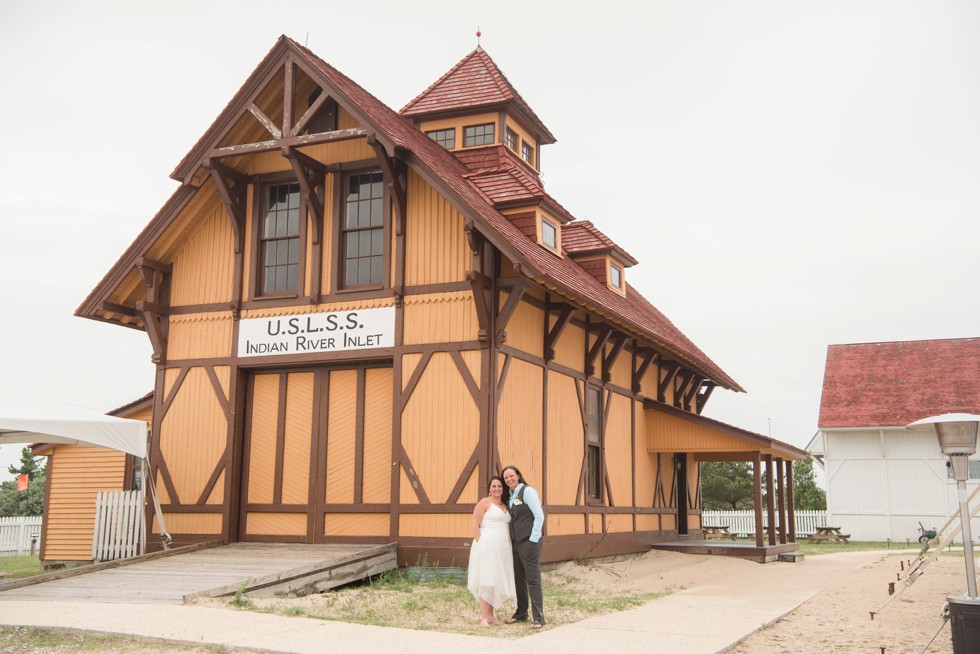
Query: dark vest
point(521, 518)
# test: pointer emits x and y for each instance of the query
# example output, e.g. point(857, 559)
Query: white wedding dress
point(491, 571)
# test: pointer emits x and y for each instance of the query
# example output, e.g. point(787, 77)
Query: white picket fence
point(120, 526)
point(743, 522)
point(16, 534)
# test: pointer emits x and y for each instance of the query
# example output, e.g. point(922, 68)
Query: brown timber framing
point(155, 308)
point(310, 174)
point(395, 171)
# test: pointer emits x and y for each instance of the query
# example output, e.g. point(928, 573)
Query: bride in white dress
point(491, 572)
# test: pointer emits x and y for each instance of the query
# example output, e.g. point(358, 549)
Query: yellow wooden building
point(358, 315)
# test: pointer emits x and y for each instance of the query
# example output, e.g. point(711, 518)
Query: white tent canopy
point(75, 428)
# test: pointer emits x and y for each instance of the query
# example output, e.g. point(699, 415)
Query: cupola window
point(474, 135)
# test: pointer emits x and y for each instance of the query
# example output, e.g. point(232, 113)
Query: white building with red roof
point(883, 479)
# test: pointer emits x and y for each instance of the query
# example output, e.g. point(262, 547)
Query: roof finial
point(478, 35)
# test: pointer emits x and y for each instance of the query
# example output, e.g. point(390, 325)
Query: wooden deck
point(264, 570)
point(741, 549)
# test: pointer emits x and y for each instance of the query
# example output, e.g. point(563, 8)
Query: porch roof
point(672, 430)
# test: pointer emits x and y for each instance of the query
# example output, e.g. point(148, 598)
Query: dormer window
point(615, 276)
point(444, 137)
point(511, 139)
point(549, 234)
point(474, 135)
point(527, 153)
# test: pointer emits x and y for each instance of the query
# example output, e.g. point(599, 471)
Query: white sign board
point(310, 333)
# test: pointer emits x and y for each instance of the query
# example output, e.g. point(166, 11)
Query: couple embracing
point(505, 558)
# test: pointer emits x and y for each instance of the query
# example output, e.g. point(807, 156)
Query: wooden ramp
point(261, 569)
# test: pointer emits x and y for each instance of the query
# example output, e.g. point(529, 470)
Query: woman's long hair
point(520, 477)
point(505, 496)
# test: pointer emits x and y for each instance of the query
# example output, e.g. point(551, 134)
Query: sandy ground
point(836, 619)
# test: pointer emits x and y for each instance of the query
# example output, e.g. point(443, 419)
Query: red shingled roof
point(582, 237)
point(473, 83)
point(893, 384)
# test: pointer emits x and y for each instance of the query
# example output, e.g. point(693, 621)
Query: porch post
point(770, 501)
point(790, 502)
point(757, 478)
point(781, 506)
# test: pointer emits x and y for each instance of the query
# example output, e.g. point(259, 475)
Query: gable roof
point(894, 384)
point(474, 82)
point(447, 175)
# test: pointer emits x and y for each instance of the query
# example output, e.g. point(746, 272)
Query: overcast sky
point(789, 174)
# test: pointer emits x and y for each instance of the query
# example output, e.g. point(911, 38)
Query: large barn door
point(317, 455)
point(277, 479)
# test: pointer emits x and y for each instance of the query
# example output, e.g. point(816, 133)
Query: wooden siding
point(200, 336)
point(570, 348)
point(564, 524)
point(525, 330)
point(618, 450)
point(297, 441)
point(619, 522)
point(376, 482)
point(440, 318)
point(351, 305)
point(622, 370)
point(435, 245)
point(190, 523)
point(667, 433)
point(436, 525)
point(193, 435)
point(440, 428)
point(204, 266)
point(647, 522)
point(646, 462)
point(341, 436)
point(356, 524)
point(566, 440)
point(276, 524)
point(519, 418)
point(76, 474)
point(263, 426)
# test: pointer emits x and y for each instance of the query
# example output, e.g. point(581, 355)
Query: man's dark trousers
point(527, 560)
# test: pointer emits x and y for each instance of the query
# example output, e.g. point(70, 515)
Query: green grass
point(18, 567)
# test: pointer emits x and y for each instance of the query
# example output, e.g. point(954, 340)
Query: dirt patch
point(837, 619)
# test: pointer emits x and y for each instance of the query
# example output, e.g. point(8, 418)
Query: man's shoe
point(537, 625)
point(515, 620)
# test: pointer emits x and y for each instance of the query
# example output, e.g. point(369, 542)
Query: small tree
point(31, 501)
point(726, 485)
point(807, 496)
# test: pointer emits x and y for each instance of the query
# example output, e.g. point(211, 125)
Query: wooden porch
point(209, 570)
point(740, 549)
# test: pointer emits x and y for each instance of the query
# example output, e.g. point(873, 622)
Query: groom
point(526, 522)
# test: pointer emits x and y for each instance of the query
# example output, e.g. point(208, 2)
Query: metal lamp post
point(957, 433)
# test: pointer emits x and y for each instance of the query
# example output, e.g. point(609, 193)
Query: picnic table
point(828, 533)
point(717, 531)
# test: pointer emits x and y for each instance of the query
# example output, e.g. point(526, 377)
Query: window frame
point(483, 136)
point(450, 130)
point(257, 278)
point(594, 481)
point(618, 270)
point(338, 279)
point(527, 153)
point(511, 140)
point(544, 221)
